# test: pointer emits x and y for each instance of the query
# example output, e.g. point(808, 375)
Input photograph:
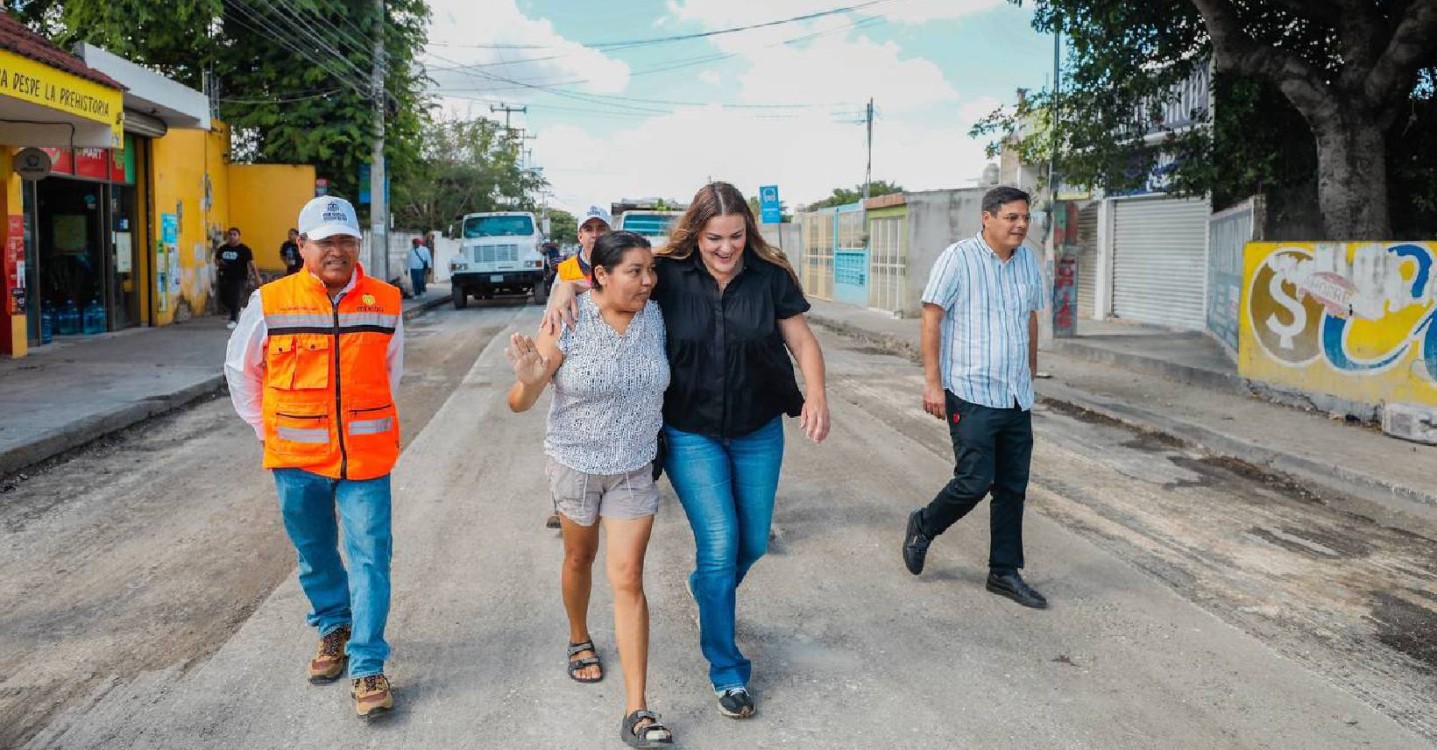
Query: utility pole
point(508, 110)
point(868, 173)
point(378, 203)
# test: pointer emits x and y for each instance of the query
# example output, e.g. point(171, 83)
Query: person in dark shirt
point(733, 312)
point(236, 265)
point(289, 253)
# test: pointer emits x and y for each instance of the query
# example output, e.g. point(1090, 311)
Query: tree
point(844, 196)
point(464, 166)
point(1348, 68)
point(563, 227)
point(283, 106)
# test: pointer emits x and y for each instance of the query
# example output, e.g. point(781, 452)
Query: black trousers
point(993, 449)
point(230, 291)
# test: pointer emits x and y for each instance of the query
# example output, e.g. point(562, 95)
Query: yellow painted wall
point(1353, 320)
point(264, 203)
point(189, 180)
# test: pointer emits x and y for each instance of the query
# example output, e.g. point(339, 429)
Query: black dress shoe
point(915, 544)
point(1014, 587)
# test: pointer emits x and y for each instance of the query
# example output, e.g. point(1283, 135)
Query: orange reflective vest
point(327, 406)
point(570, 270)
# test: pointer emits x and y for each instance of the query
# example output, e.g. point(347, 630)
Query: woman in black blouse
point(733, 309)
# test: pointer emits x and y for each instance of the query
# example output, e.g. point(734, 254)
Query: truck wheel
point(460, 296)
point(541, 294)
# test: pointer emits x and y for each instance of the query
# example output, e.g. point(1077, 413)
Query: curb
point(1150, 366)
point(1189, 435)
point(90, 429)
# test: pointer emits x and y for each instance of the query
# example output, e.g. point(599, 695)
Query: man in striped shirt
point(980, 350)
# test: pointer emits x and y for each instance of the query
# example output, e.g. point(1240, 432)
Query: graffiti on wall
point(1354, 320)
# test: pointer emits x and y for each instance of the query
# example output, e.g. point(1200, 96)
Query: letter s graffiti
point(1285, 333)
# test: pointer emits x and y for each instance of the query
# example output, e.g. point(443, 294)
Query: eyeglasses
point(1010, 218)
point(343, 244)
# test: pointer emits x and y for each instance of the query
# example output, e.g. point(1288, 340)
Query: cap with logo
point(326, 217)
point(597, 212)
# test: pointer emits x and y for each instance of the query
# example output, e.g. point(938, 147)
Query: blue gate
point(850, 257)
point(850, 277)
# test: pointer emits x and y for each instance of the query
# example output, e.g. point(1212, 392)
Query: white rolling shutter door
point(1159, 261)
point(1087, 259)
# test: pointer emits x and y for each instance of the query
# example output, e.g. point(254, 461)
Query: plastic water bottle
point(94, 317)
point(47, 322)
point(69, 319)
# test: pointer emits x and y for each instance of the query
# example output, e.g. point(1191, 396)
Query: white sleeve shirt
point(244, 362)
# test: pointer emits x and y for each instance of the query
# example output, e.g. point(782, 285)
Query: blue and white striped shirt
point(986, 304)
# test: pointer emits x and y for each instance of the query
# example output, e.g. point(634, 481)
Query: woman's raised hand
point(529, 366)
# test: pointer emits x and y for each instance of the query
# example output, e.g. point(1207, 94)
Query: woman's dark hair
point(609, 251)
point(722, 199)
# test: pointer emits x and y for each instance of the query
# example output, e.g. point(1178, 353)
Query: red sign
point(92, 163)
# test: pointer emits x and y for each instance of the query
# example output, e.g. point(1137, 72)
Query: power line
point(257, 20)
point(309, 33)
point(305, 98)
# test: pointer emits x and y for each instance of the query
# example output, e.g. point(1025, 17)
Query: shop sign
point(33, 164)
point(27, 80)
point(92, 163)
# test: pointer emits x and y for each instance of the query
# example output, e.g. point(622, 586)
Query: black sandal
point(652, 734)
point(589, 661)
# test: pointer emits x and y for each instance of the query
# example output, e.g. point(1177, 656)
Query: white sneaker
point(231, 325)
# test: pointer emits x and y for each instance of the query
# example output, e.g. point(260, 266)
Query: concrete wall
point(937, 219)
point(1351, 326)
point(264, 203)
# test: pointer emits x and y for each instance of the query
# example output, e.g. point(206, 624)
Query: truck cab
point(654, 225)
point(499, 253)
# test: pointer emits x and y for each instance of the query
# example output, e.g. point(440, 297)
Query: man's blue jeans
point(416, 278)
point(359, 597)
point(727, 488)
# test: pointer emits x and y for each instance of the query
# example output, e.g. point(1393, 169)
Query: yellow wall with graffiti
point(1357, 320)
point(190, 183)
point(266, 202)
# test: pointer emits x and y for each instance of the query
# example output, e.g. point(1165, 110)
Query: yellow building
point(117, 227)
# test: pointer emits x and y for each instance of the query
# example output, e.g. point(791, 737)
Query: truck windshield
point(648, 224)
point(498, 226)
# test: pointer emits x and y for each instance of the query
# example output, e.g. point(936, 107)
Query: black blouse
point(730, 371)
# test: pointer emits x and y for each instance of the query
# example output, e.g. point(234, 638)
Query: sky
point(615, 111)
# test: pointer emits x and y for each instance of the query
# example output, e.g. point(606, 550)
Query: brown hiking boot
point(372, 696)
point(328, 663)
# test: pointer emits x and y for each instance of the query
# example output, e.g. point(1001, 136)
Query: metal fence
point(1229, 231)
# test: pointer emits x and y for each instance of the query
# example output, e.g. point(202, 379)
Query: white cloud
point(711, 77)
point(717, 14)
point(521, 49)
point(807, 156)
point(977, 109)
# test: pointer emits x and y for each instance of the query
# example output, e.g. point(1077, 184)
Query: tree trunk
point(1352, 177)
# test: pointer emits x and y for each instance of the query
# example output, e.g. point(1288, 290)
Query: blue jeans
point(727, 488)
point(307, 502)
point(416, 278)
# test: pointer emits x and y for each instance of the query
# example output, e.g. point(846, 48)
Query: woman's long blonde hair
point(721, 199)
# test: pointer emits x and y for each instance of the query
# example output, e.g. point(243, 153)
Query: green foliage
point(283, 108)
point(464, 166)
point(1122, 59)
point(563, 227)
point(844, 196)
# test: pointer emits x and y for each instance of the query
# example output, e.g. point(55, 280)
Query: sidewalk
point(1181, 385)
point(77, 389)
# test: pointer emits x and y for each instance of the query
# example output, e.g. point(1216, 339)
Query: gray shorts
point(584, 498)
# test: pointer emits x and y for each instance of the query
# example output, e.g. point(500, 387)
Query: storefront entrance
point(85, 245)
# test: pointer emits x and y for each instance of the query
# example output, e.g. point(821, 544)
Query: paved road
point(1169, 629)
point(150, 548)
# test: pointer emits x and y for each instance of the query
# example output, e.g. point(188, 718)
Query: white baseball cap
point(597, 212)
point(327, 216)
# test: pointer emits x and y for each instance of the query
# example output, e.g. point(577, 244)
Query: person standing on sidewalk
point(609, 378)
point(313, 368)
point(733, 311)
point(289, 253)
point(980, 350)
point(236, 266)
point(419, 263)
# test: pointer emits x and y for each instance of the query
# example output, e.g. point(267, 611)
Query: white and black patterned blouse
point(609, 392)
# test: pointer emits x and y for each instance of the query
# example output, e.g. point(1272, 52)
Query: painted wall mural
point(1352, 320)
